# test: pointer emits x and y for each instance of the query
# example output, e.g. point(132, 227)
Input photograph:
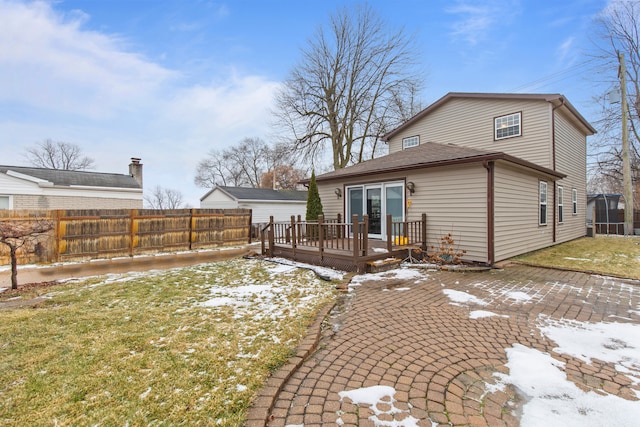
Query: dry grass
point(144, 349)
point(607, 255)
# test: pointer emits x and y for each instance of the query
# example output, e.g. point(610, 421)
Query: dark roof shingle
point(244, 193)
point(76, 178)
point(428, 154)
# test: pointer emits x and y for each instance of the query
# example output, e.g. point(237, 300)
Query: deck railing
point(338, 236)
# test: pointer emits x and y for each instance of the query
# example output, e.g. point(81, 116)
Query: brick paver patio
point(409, 335)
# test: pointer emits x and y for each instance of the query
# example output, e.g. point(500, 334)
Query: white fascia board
point(40, 182)
point(272, 201)
point(91, 188)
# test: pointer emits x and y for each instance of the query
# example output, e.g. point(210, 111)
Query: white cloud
point(476, 19)
point(48, 61)
point(59, 80)
point(566, 48)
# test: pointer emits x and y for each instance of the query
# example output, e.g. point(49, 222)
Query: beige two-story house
point(505, 174)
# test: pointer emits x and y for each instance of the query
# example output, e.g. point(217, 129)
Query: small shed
point(263, 202)
point(607, 209)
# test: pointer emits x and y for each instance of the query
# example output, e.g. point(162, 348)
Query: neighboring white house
point(263, 202)
point(38, 188)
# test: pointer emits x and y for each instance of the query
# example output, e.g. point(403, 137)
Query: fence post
point(355, 230)
point(365, 236)
point(339, 226)
point(191, 218)
point(424, 231)
point(321, 236)
point(58, 215)
point(389, 232)
point(271, 236)
point(132, 231)
point(294, 235)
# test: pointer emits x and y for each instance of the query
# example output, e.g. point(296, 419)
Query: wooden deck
point(340, 245)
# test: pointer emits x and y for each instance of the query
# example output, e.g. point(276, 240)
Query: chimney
point(135, 170)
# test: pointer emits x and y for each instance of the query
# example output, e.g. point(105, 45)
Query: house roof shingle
point(429, 154)
point(244, 193)
point(68, 178)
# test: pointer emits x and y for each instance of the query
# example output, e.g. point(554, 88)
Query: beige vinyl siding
point(331, 205)
point(454, 199)
point(516, 208)
point(571, 159)
point(470, 122)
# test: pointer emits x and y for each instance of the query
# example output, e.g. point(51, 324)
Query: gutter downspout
point(553, 166)
point(489, 166)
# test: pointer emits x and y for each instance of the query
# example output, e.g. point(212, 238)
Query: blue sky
point(169, 80)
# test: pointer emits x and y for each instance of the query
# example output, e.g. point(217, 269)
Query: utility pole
point(626, 161)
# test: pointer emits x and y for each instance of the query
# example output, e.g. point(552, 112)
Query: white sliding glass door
point(377, 201)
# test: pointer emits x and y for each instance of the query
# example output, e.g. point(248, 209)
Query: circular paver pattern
point(412, 337)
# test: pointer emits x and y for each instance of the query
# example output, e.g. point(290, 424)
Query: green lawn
point(607, 255)
point(189, 346)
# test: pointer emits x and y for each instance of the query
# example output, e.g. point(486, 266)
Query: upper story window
point(412, 141)
point(508, 126)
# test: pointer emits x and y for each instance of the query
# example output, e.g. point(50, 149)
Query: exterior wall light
point(338, 192)
point(411, 187)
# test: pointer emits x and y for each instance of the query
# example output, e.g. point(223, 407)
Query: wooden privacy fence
point(109, 233)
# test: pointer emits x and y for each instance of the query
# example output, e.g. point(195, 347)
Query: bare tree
point(164, 198)
point(18, 233)
point(286, 178)
point(58, 155)
point(242, 165)
point(357, 80)
point(617, 31)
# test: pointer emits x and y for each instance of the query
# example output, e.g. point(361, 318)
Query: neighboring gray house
point(37, 188)
point(263, 202)
point(505, 174)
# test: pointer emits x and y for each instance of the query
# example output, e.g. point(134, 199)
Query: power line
point(553, 76)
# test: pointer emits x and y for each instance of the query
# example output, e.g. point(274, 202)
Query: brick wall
point(67, 202)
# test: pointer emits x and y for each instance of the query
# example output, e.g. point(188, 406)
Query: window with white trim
point(507, 126)
point(574, 201)
point(412, 141)
point(543, 203)
point(560, 204)
point(5, 202)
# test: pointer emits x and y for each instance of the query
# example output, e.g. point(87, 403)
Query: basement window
point(4, 202)
point(507, 126)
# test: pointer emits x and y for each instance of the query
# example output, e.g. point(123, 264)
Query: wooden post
point(300, 231)
point(271, 236)
point(389, 233)
point(339, 227)
point(294, 235)
point(58, 215)
point(132, 231)
point(365, 236)
point(321, 236)
point(424, 231)
point(191, 236)
point(356, 238)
